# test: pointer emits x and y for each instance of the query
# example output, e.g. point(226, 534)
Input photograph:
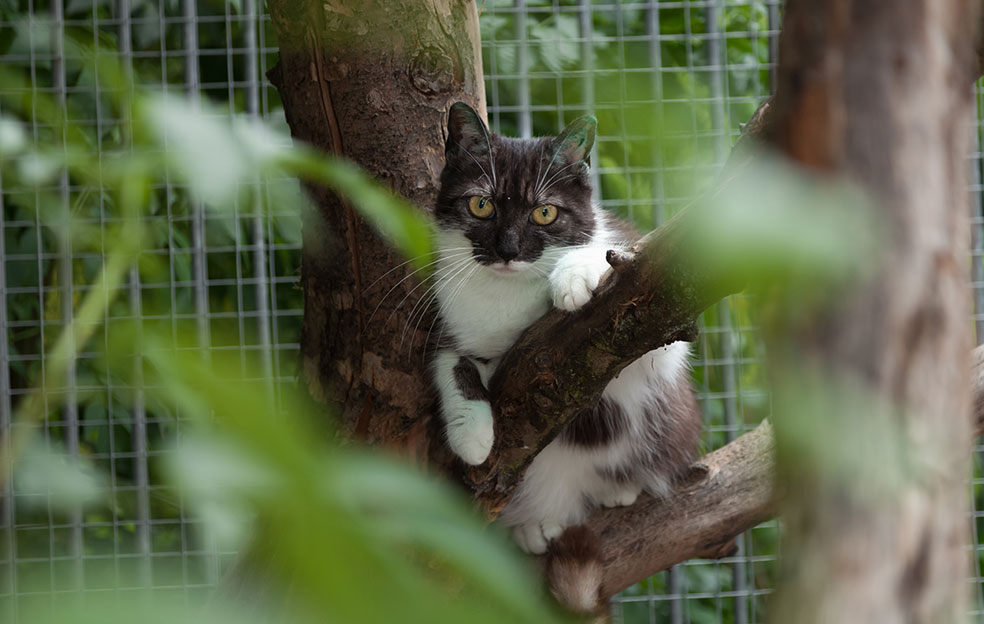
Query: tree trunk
point(371, 80)
point(873, 428)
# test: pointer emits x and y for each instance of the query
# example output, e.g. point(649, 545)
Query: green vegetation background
point(662, 135)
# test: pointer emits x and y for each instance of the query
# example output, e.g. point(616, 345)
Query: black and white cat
point(518, 232)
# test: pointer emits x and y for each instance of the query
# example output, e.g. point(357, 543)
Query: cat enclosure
point(670, 81)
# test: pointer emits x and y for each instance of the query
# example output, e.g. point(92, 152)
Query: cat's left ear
point(577, 139)
point(466, 131)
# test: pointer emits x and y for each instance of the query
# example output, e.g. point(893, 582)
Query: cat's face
point(515, 199)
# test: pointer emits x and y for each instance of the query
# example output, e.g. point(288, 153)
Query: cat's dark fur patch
point(675, 444)
point(596, 426)
point(674, 420)
point(469, 381)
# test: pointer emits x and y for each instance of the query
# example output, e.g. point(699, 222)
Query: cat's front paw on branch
point(576, 276)
point(470, 433)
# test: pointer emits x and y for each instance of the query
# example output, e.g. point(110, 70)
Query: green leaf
point(405, 227)
point(69, 483)
point(13, 138)
point(202, 151)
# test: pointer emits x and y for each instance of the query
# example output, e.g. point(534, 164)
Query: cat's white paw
point(576, 276)
point(551, 531)
point(621, 495)
point(470, 433)
point(534, 538)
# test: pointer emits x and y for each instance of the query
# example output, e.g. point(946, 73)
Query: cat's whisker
point(484, 173)
point(536, 191)
point(423, 312)
point(476, 190)
point(440, 283)
point(444, 307)
point(455, 264)
point(555, 182)
point(408, 276)
point(414, 259)
point(546, 190)
point(488, 143)
point(539, 165)
point(440, 311)
point(447, 305)
point(553, 179)
point(424, 301)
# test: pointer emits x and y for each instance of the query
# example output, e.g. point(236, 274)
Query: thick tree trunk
point(872, 396)
point(371, 80)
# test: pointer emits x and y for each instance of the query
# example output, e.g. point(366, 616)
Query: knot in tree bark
point(431, 71)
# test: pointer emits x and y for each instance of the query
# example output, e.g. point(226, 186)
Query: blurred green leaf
point(404, 226)
point(775, 223)
point(203, 152)
point(39, 168)
point(13, 137)
point(50, 471)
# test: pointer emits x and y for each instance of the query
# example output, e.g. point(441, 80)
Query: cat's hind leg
point(535, 537)
point(619, 494)
point(551, 496)
point(464, 406)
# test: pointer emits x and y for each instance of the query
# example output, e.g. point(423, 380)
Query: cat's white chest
point(485, 313)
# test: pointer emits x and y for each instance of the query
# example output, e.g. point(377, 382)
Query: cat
point(517, 233)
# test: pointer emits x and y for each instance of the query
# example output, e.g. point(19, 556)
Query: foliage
point(644, 161)
point(340, 522)
point(670, 87)
point(648, 166)
point(663, 134)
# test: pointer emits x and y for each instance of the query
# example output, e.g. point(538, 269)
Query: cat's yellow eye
point(481, 207)
point(544, 215)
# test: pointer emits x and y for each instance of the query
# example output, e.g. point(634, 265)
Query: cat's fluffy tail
point(575, 570)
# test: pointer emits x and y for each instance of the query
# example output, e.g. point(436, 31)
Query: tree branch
point(726, 493)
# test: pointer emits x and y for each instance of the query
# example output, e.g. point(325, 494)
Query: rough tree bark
point(371, 80)
point(876, 507)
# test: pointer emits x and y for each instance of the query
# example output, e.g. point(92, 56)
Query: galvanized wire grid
point(231, 285)
point(700, 66)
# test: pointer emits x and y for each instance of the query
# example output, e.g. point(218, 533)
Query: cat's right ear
point(466, 132)
point(577, 139)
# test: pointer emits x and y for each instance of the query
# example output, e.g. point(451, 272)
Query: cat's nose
point(508, 246)
point(507, 250)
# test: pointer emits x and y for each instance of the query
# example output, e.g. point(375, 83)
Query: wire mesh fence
point(224, 276)
point(688, 73)
point(670, 83)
